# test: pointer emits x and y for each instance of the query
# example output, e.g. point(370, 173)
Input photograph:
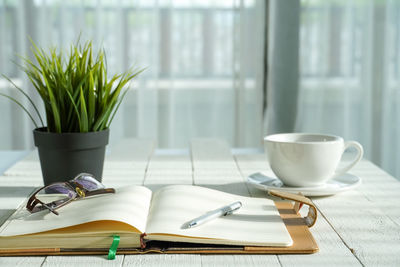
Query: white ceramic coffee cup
point(307, 160)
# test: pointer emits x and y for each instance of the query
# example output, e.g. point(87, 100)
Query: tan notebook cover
point(298, 227)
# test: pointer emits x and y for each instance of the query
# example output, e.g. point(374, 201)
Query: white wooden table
point(359, 227)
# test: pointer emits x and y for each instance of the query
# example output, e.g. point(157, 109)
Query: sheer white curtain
point(350, 74)
point(203, 59)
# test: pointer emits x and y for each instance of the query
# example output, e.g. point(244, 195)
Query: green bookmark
point(113, 249)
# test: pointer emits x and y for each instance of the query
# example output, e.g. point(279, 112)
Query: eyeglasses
point(54, 196)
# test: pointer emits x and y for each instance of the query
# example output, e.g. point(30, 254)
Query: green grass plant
point(75, 89)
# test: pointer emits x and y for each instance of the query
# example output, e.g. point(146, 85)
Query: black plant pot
point(64, 155)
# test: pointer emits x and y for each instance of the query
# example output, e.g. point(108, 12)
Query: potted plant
point(80, 102)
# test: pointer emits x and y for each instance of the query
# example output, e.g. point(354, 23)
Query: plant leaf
point(84, 117)
point(28, 97)
point(19, 104)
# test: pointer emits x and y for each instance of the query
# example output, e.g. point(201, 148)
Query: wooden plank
point(22, 181)
point(22, 261)
point(9, 157)
point(212, 155)
point(156, 260)
point(168, 169)
point(83, 261)
point(380, 188)
point(249, 164)
point(11, 197)
point(126, 162)
point(215, 167)
point(165, 170)
point(377, 213)
point(28, 166)
point(372, 236)
point(239, 260)
point(138, 150)
point(332, 250)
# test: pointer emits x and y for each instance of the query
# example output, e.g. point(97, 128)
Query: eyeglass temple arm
point(33, 201)
point(100, 191)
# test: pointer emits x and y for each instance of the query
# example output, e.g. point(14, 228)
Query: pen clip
point(227, 212)
point(231, 208)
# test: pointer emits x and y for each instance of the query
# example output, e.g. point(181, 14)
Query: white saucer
point(336, 185)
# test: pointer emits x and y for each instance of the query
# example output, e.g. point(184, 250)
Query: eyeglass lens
point(88, 182)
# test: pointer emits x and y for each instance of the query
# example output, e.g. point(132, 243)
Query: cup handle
point(359, 156)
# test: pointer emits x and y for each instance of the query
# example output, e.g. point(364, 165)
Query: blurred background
point(231, 69)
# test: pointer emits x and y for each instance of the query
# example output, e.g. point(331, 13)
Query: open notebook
point(134, 211)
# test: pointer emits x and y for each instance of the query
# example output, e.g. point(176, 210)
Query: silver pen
point(210, 215)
